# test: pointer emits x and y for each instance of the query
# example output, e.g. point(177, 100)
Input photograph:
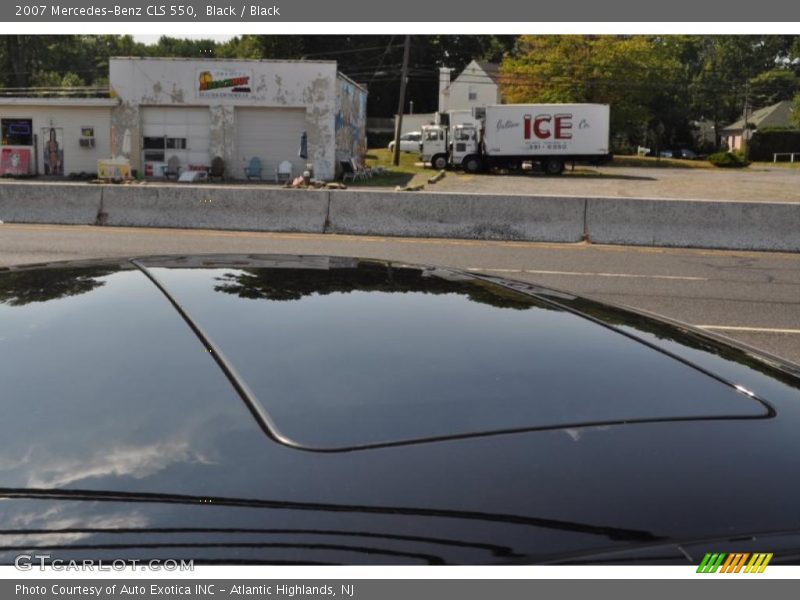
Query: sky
point(152, 39)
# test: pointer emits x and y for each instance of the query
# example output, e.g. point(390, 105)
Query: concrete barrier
point(217, 207)
point(644, 222)
point(58, 203)
point(427, 214)
point(694, 224)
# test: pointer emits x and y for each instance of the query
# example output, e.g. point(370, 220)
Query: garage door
point(271, 134)
point(184, 132)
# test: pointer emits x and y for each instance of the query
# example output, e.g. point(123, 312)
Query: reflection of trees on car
point(18, 288)
point(294, 284)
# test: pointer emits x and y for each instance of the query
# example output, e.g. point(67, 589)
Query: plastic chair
point(173, 168)
point(284, 172)
point(254, 169)
point(362, 172)
point(348, 172)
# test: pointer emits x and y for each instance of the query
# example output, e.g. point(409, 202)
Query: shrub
point(728, 160)
point(766, 142)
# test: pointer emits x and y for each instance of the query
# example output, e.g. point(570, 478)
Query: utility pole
point(398, 124)
point(745, 131)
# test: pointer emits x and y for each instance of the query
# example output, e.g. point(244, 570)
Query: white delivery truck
point(506, 136)
point(436, 139)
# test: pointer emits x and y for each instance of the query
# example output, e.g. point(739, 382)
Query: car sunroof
point(341, 353)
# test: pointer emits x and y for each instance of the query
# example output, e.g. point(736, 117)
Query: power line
point(383, 57)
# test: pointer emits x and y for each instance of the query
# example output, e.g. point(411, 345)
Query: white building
point(304, 112)
point(475, 86)
point(54, 136)
point(196, 110)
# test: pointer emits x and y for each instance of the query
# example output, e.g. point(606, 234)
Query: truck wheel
point(439, 162)
point(472, 164)
point(553, 166)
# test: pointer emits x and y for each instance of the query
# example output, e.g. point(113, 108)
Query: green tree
point(183, 48)
point(796, 111)
point(49, 79)
point(773, 86)
point(71, 80)
point(725, 63)
point(27, 58)
point(641, 77)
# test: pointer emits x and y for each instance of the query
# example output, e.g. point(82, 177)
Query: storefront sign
point(218, 83)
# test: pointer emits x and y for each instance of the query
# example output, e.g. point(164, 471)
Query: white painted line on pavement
point(631, 275)
point(751, 329)
point(585, 274)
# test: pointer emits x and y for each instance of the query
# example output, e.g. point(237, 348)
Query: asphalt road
point(751, 296)
point(757, 183)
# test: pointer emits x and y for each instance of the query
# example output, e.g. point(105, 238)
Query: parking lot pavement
point(750, 296)
point(754, 184)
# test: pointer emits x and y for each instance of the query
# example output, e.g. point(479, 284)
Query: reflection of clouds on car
point(57, 523)
point(120, 461)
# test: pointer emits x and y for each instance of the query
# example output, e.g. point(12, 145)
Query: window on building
point(155, 147)
point(17, 132)
point(176, 143)
point(473, 94)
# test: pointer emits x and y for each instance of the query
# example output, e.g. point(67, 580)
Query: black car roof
point(342, 353)
point(110, 396)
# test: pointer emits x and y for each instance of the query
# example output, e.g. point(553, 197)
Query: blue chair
point(253, 169)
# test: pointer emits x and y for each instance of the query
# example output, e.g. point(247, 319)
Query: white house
point(475, 86)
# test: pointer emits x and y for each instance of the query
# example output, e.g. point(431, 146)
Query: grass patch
point(658, 163)
point(784, 165)
point(406, 173)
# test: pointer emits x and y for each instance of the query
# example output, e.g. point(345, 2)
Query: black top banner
point(472, 11)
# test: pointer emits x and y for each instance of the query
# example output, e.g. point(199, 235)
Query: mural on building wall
point(53, 151)
point(217, 83)
point(351, 120)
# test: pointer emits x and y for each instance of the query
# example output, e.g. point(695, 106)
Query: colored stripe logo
point(735, 562)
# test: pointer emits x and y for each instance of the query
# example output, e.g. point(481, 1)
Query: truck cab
point(434, 148)
point(466, 147)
